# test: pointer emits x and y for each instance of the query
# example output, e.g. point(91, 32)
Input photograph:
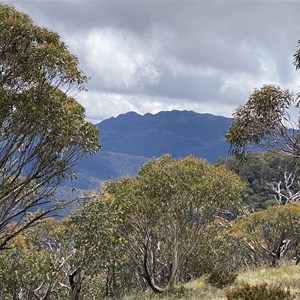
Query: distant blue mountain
point(130, 139)
point(179, 133)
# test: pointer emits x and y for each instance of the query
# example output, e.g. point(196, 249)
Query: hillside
point(179, 133)
point(103, 166)
point(129, 140)
point(285, 276)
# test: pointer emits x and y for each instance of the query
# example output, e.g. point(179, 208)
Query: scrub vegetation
point(182, 228)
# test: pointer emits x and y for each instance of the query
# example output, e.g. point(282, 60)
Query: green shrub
point(221, 278)
point(258, 292)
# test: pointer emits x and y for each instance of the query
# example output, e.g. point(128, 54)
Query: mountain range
point(129, 140)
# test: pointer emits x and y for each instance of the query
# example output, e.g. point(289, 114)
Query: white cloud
point(178, 69)
point(238, 85)
point(100, 106)
point(148, 56)
point(119, 60)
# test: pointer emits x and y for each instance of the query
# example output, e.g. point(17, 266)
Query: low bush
point(221, 278)
point(258, 292)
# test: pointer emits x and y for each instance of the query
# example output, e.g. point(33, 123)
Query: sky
point(148, 56)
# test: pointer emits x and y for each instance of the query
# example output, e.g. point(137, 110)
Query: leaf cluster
point(261, 121)
point(43, 131)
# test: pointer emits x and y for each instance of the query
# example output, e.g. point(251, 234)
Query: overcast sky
point(148, 56)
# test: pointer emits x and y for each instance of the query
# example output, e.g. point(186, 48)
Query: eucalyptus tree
point(166, 211)
point(98, 249)
point(266, 121)
point(35, 265)
point(43, 131)
point(44, 263)
point(268, 235)
point(135, 233)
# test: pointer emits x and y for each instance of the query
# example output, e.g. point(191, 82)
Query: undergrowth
point(286, 277)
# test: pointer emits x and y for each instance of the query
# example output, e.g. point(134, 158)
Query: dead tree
point(284, 191)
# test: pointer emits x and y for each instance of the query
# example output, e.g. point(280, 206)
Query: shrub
point(258, 292)
point(221, 278)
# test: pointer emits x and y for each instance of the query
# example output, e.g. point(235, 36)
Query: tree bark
point(75, 284)
point(175, 250)
point(147, 274)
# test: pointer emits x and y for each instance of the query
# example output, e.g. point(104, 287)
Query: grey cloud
point(200, 54)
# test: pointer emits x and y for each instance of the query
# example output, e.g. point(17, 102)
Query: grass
point(286, 275)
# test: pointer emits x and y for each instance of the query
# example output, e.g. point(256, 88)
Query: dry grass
point(286, 275)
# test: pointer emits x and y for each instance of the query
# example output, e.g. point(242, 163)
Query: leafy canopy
point(43, 132)
point(170, 201)
point(265, 121)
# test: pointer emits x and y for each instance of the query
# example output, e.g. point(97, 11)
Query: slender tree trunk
point(175, 250)
point(147, 274)
point(114, 280)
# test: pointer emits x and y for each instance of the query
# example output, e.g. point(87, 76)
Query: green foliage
point(258, 292)
point(221, 278)
point(260, 238)
point(259, 119)
point(224, 251)
point(85, 247)
point(170, 201)
point(265, 121)
point(32, 55)
point(43, 131)
point(259, 170)
point(263, 233)
point(34, 265)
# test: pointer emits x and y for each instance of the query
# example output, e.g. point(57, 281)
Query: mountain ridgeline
point(130, 139)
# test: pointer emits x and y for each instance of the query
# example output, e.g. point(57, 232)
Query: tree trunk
point(147, 274)
point(175, 249)
point(75, 281)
